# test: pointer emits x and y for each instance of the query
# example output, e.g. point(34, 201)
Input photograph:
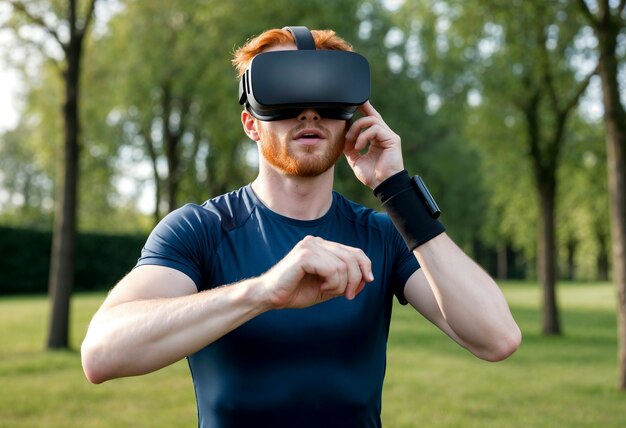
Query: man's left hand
point(383, 157)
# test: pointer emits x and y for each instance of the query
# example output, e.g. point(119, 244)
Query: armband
point(411, 208)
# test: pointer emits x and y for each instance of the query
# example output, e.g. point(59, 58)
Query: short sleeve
point(179, 242)
point(404, 265)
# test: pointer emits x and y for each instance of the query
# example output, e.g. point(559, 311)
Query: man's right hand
point(314, 271)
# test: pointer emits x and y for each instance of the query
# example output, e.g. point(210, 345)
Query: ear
point(249, 125)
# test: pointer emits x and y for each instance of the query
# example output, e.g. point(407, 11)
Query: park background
point(127, 109)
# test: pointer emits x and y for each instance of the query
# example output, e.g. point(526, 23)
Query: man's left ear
point(249, 125)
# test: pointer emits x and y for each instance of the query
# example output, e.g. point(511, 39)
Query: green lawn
point(564, 381)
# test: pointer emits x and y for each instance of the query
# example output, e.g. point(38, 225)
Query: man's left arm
point(458, 296)
point(450, 289)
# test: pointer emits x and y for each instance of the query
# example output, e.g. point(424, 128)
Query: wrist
point(379, 179)
point(410, 207)
point(390, 185)
point(255, 294)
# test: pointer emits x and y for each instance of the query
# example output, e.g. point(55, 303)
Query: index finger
point(368, 109)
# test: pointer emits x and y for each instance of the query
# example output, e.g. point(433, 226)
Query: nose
point(309, 114)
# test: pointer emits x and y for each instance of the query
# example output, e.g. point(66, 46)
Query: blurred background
point(115, 112)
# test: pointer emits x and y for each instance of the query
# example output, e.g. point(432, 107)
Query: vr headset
point(280, 84)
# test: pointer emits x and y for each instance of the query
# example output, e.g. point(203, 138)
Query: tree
point(608, 24)
point(528, 71)
point(545, 150)
point(167, 88)
point(66, 28)
point(583, 209)
point(26, 184)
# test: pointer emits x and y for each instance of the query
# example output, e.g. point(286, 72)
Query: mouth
point(309, 136)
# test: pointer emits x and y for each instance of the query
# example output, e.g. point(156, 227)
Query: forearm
point(142, 336)
point(469, 299)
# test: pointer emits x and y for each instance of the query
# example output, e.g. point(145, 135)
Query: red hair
point(324, 39)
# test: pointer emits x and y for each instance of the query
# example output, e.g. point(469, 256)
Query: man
point(280, 293)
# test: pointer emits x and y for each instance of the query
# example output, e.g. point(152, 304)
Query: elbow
point(503, 347)
point(93, 364)
point(93, 376)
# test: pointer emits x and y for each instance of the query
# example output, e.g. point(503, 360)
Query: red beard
point(309, 161)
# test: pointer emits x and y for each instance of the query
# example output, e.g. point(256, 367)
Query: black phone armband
point(411, 208)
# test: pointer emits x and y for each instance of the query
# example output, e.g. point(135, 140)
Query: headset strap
point(303, 37)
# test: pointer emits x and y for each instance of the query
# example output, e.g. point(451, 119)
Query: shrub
point(101, 260)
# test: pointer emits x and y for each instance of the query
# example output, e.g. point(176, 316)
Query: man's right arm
point(155, 317)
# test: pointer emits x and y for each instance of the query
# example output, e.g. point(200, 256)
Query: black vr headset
point(280, 84)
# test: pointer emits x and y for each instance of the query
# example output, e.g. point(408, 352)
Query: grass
point(566, 381)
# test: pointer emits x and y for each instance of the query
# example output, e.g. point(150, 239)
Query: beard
point(311, 161)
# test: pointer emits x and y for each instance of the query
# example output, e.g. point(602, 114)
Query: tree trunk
point(544, 169)
point(615, 127)
point(171, 140)
point(149, 143)
point(546, 255)
point(61, 278)
point(602, 261)
point(571, 258)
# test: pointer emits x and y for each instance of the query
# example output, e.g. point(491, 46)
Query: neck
point(300, 198)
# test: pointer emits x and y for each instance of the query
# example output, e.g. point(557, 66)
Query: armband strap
point(411, 208)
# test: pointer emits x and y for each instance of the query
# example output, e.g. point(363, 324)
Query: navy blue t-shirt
point(321, 366)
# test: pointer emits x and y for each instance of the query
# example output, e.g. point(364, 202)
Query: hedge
point(101, 260)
